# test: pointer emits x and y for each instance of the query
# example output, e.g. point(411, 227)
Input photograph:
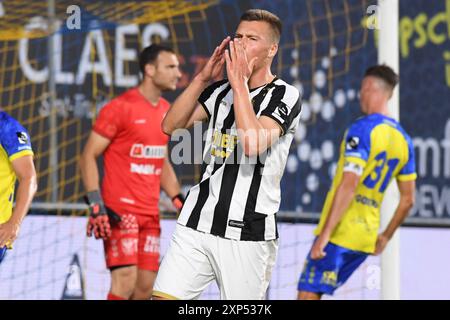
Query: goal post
point(388, 53)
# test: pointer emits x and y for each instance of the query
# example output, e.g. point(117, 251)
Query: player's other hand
point(99, 226)
point(98, 223)
point(8, 233)
point(178, 202)
point(214, 67)
point(318, 248)
point(382, 241)
point(239, 68)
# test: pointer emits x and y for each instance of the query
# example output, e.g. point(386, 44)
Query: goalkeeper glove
point(178, 201)
point(99, 222)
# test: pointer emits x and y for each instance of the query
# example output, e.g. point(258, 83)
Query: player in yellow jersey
point(375, 149)
point(16, 162)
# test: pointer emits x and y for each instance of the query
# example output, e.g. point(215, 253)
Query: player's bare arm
point(341, 201)
point(183, 112)
point(257, 135)
point(94, 147)
point(198, 115)
point(170, 184)
point(98, 221)
point(407, 197)
point(26, 175)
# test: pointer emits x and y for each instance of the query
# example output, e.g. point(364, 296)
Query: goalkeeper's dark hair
point(384, 73)
point(150, 54)
point(266, 16)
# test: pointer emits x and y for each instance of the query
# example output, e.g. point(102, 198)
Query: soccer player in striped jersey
point(16, 163)
point(227, 229)
point(128, 134)
point(375, 150)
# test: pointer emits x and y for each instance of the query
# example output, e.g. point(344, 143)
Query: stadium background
point(325, 49)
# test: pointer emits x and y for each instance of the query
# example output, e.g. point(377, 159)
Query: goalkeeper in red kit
point(124, 211)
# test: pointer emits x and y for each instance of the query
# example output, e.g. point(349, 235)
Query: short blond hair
point(266, 16)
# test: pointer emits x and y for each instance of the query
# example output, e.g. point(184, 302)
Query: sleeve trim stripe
point(102, 133)
point(206, 109)
point(278, 117)
point(407, 177)
point(356, 160)
point(20, 154)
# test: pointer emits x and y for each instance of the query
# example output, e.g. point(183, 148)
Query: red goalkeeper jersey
point(133, 161)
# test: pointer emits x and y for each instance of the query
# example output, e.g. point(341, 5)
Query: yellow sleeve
point(20, 154)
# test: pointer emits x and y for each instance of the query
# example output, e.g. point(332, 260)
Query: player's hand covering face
point(239, 69)
point(214, 67)
point(258, 41)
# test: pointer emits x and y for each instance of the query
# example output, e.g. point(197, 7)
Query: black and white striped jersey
point(238, 196)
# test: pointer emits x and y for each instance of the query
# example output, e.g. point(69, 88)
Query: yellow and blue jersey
point(380, 146)
point(14, 143)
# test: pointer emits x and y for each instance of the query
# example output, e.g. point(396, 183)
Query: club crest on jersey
point(22, 137)
point(352, 143)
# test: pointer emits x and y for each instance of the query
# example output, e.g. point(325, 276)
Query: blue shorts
point(2, 253)
point(331, 272)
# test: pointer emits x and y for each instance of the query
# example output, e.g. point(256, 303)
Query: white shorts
point(242, 269)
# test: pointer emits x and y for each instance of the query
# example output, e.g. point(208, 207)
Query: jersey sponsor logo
point(145, 169)
point(223, 144)
point(22, 137)
point(236, 224)
point(352, 143)
point(141, 151)
point(366, 201)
